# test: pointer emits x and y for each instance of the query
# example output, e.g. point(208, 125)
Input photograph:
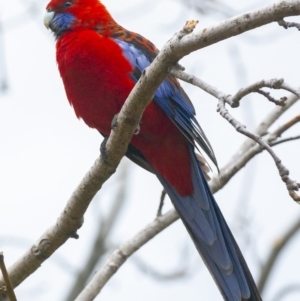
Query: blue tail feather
point(212, 238)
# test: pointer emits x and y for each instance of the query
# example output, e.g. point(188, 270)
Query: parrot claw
point(103, 150)
point(161, 203)
point(74, 235)
point(114, 122)
point(137, 130)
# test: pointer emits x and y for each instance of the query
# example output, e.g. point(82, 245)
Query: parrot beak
point(49, 15)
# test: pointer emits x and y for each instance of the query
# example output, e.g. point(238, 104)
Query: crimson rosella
point(100, 62)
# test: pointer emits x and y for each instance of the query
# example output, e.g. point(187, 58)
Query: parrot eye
point(68, 3)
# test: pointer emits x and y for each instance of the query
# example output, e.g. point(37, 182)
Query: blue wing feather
point(170, 97)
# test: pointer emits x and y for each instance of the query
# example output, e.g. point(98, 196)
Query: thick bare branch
point(236, 25)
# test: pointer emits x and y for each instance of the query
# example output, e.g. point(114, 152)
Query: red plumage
point(97, 82)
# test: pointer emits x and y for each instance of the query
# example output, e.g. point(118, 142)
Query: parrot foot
point(114, 124)
point(74, 235)
point(161, 203)
point(137, 130)
point(103, 150)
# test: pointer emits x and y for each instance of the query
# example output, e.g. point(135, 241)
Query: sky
point(45, 151)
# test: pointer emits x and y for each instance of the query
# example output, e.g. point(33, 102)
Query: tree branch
point(100, 242)
point(284, 128)
point(284, 140)
point(278, 246)
point(249, 148)
point(180, 272)
point(287, 25)
point(8, 289)
point(119, 256)
point(289, 289)
point(283, 171)
point(234, 101)
point(266, 94)
point(236, 25)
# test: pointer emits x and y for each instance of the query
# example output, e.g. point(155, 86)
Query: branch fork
point(234, 102)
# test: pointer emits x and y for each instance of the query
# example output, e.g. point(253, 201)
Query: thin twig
point(9, 290)
point(278, 246)
point(284, 127)
point(234, 101)
point(287, 25)
point(193, 80)
point(284, 140)
point(184, 270)
point(280, 102)
point(287, 290)
point(283, 171)
point(119, 256)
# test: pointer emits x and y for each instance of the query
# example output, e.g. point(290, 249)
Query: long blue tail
point(213, 238)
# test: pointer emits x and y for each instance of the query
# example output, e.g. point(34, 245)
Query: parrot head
point(62, 15)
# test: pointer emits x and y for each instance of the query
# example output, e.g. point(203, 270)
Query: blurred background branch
point(210, 7)
point(3, 72)
point(278, 247)
point(101, 241)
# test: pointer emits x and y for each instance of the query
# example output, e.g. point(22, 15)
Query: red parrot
point(100, 62)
